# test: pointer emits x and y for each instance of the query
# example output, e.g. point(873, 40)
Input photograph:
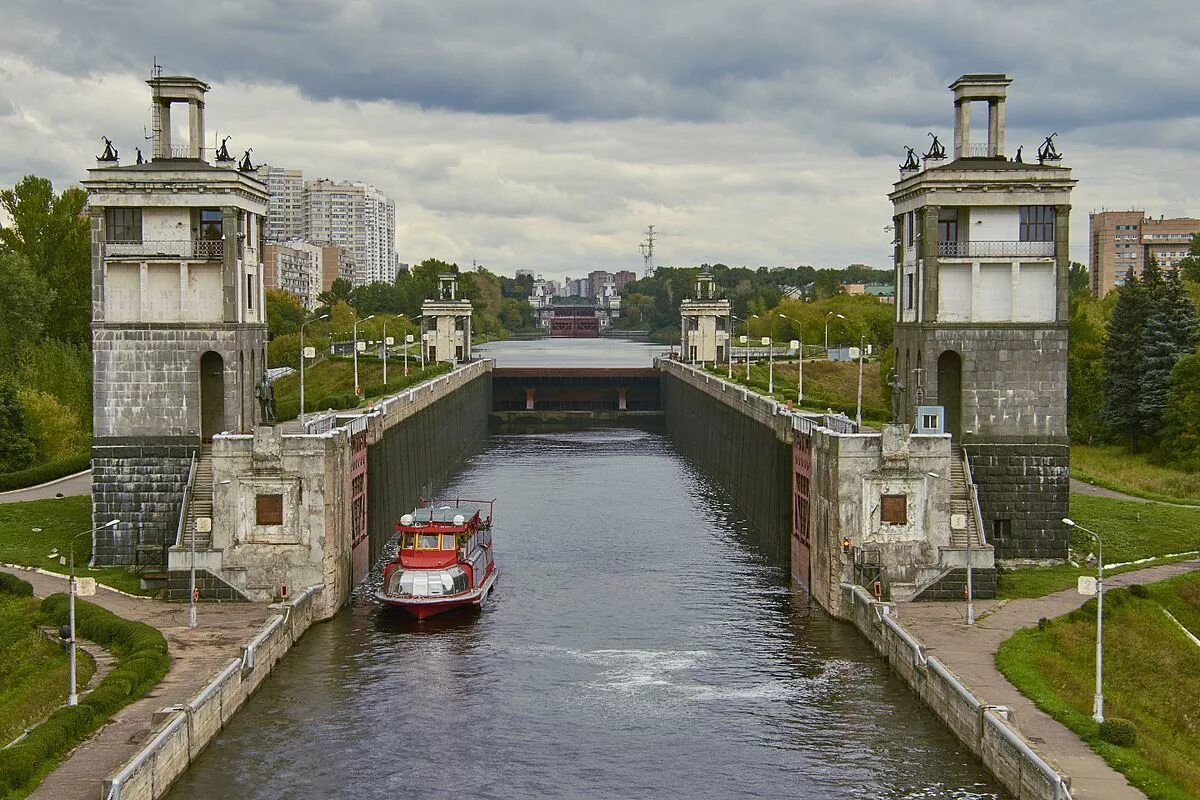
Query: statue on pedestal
point(266, 400)
point(893, 382)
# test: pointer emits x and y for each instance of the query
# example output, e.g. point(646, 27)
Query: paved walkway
point(196, 656)
point(1083, 487)
point(970, 653)
point(70, 486)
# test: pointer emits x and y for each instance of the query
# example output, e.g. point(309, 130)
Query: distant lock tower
point(178, 322)
point(704, 337)
point(981, 260)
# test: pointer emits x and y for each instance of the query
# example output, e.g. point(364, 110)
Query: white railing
point(188, 249)
point(972, 151)
point(985, 249)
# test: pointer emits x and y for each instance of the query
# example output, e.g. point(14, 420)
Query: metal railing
point(189, 249)
point(971, 151)
point(974, 490)
point(978, 249)
point(187, 501)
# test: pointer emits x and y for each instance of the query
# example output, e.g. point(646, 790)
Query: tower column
point(1062, 258)
point(928, 273)
point(962, 129)
point(195, 129)
point(163, 142)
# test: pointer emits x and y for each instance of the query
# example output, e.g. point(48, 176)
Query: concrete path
point(1082, 487)
point(70, 486)
point(196, 656)
point(970, 653)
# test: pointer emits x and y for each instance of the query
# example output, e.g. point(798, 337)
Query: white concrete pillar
point(993, 129)
point(195, 128)
point(164, 134)
point(962, 129)
point(1000, 127)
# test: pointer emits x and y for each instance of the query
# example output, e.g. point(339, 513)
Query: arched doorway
point(949, 388)
point(212, 395)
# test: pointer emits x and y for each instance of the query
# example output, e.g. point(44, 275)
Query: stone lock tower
point(981, 261)
point(704, 332)
point(178, 325)
point(446, 323)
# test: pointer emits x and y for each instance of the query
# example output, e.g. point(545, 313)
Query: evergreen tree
point(17, 450)
point(1122, 362)
point(1168, 334)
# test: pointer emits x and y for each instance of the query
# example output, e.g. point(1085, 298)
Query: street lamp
point(407, 336)
point(1098, 700)
point(970, 562)
point(302, 357)
point(729, 346)
point(193, 595)
point(357, 392)
point(827, 321)
point(72, 695)
point(800, 379)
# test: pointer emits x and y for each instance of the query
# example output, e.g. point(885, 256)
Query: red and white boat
point(444, 560)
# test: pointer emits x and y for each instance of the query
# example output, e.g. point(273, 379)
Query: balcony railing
point(987, 249)
point(180, 249)
point(973, 151)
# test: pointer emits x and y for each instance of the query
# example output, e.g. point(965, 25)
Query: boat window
point(429, 541)
point(410, 541)
point(448, 541)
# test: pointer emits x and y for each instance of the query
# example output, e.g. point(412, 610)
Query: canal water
point(639, 645)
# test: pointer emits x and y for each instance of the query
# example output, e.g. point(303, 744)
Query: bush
point(11, 584)
point(55, 429)
point(1137, 590)
point(1120, 732)
point(338, 401)
point(45, 472)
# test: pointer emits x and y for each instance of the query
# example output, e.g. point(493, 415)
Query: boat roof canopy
point(424, 516)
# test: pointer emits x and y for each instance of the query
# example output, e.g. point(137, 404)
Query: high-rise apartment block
point(1122, 242)
point(294, 267)
point(285, 208)
point(356, 216)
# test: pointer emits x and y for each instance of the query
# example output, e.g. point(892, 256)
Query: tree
point(1085, 370)
point(51, 233)
point(25, 310)
point(285, 314)
point(1168, 334)
point(340, 289)
point(17, 449)
point(1181, 421)
point(1078, 279)
point(1189, 265)
point(1122, 363)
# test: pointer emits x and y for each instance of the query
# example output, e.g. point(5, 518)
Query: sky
point(547, 134)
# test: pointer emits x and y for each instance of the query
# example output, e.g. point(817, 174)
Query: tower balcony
point(995, 249)
point(173, 249)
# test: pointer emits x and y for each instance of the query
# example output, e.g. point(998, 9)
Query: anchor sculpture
point(110, 152)
point(223, 150)
point(245, 164)
point(937, 150)
point(1048, 152)
point(910, 160)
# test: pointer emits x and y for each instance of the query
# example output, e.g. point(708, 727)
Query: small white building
point(446, 323)
point(704, 323)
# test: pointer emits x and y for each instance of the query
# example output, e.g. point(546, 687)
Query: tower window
point(211, 224)
point(1037, 223)
point(122, 224)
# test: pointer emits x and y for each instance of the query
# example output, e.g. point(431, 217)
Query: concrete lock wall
point(740, 439)
point(417, 439)
point(187, 730)
point(983, 729)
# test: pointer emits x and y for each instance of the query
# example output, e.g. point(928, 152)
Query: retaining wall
point(187, 730)
point(983, 729)
point(741, 439)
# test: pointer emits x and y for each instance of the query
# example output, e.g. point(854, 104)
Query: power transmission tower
point(647, 248)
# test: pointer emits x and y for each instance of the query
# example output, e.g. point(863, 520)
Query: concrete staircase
point(201, 504)
point(962, 505)
point(966, 542)
point(209, 582)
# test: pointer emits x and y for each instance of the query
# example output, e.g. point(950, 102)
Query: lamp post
point(732, 318)
point(385, 345)
point(862, 346)
point(72, 695)
point(302, 357)
point(1098, 700)
point(193, 595)
point(970, 563)
point(356, 321)
point(800, 361)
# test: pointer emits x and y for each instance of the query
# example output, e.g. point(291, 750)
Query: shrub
point(55, 429)
point(11, 584)
point(338, 401)
point(1137, 590)
point(1120, 732)
point(45, 472)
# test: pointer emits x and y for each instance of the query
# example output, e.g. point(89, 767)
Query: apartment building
point(1121, 242)
point(358, 217)
point(285, 206)
point(294, 267)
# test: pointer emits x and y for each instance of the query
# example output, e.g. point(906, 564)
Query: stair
point(961, 503)
point(201, 504)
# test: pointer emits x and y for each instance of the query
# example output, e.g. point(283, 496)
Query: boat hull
point(426, 607)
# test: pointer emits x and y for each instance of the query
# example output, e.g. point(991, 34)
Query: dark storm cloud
point(834, 65)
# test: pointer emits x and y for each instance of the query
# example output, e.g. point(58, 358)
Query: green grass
point(1130, 531)
point(1112, 467)
point(827, 384)
point(1151, 677)
point(33, 669)
point(333, 378)
point(59, 520)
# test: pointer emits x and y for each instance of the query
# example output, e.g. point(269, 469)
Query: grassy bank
point(57, 521)
point(1152, 678)
point(1112, 467)
point(33, 669)
point(1130, 531)
point(827, 384)
point(329, 383)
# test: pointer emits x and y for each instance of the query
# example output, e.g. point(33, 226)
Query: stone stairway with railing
point(967, 540)
point(195, 541)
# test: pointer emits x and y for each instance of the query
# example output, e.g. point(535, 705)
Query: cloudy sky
point(548, 133)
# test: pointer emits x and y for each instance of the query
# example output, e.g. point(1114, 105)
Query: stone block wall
point(141, 485)
point(953, 586)
point(1028, 486)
